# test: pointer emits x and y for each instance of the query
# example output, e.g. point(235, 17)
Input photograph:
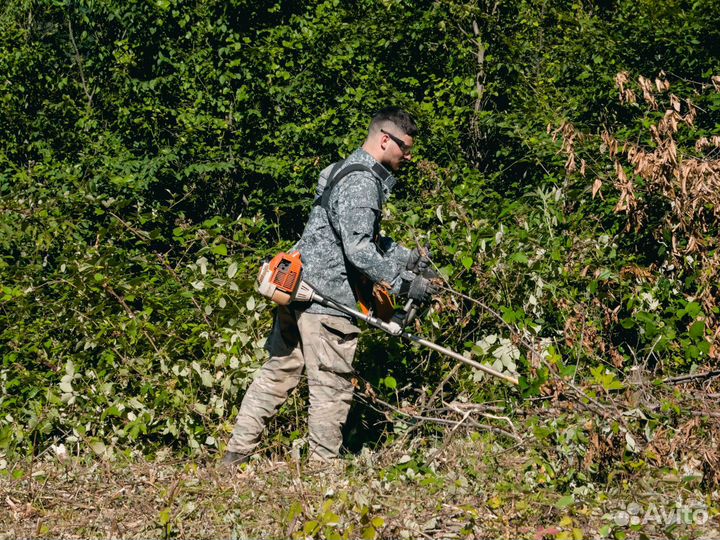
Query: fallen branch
point(457, 407)
point(692, 377)
point(446, 421)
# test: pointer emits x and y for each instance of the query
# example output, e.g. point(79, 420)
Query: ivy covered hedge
point(152, 153)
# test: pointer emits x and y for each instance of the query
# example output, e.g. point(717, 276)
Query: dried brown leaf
point(646, 87)
point(702, 144)
point(623, 77)
point(570, 166)
point(672, 152)
point(655, 134)
point(661, 84)
point(620, 171)
point(675, 102)
point(689, 118)
point(716, 82)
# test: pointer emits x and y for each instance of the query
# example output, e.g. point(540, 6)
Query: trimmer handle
point(405, 316)
point(411, 309)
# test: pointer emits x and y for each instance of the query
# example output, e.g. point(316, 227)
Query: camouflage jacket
point(346, 238)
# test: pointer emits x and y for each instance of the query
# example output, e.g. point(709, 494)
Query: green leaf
point(519, 257)
point(697, 330)
point(693, 309)
point(508, 315)
point(164, 517)
point(446, 272)
point(565, 501)
point(628, 323)
point(311, 527)
point(97, 446)
point(207, 378)
point(295, 510)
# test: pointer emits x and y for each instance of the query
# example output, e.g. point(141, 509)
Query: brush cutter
point(280, 280)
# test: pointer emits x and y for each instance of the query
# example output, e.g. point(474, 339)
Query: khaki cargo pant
point(322, 345)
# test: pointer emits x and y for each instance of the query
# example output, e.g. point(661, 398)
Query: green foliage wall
point(152, 152)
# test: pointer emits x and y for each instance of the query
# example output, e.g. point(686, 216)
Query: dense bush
point(154, 152)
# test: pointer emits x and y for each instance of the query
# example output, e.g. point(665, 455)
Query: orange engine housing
point(280, 278)
point(286, 270)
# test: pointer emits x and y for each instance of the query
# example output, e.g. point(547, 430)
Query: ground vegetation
point(566, 178)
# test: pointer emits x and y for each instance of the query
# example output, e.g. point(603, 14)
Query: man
point(340, 247)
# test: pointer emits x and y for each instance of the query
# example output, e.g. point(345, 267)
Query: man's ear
point(383, 140)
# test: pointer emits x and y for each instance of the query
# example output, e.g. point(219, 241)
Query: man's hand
point(419, 260)
point(422, 289)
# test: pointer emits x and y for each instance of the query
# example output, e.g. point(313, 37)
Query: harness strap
point(380, 174)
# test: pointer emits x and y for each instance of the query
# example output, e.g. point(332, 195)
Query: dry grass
point(467, 487)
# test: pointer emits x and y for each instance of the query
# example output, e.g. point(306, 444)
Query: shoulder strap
point(335, 177)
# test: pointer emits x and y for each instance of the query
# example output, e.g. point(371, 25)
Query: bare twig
point(705, 413)
point(449, 422)
point(471, 407)
point(480, 76)
point(143, 235)
point(440, 386)
point(130, 313)
point(78, 60)
point(456, 408)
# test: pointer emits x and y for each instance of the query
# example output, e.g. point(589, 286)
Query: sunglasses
point(404, 147)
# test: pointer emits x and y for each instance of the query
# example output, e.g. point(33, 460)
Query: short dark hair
point(397, 116)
